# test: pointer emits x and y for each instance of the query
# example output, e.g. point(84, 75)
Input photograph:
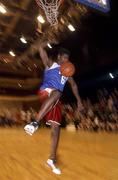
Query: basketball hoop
point(50, 8)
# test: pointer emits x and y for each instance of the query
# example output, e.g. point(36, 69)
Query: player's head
point(63, 55)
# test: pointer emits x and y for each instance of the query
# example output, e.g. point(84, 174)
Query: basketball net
point(50, 8)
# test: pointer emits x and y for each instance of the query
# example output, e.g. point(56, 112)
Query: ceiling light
point(41, 19)
point(2, 9)
point(4, 60)
point(12, 53)
point(23, 40)
point(104, 2)
point(29, 69)
point(35, 65)
point(111, 75)
point(71, 28)
point(19, 85)
point(49, 45)
point(62, 21)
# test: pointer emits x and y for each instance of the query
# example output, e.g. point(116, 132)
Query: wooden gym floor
point(81, 155)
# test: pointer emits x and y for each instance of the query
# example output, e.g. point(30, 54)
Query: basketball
point(67, 69)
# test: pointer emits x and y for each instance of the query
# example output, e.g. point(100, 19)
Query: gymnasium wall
point(11, 102)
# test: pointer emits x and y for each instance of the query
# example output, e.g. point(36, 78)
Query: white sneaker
point(53, 167)
point(31, 128)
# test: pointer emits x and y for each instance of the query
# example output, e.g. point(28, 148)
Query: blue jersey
point(53, 78)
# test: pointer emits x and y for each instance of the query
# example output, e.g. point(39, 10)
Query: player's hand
point(31, 128)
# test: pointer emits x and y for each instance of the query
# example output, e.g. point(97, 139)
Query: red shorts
point(54, 115)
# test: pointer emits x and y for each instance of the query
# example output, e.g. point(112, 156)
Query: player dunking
point(49, 94)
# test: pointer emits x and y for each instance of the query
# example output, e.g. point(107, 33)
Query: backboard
point(101, 5)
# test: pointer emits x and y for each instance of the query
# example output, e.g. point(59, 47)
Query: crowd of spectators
point(16, 116)
point(98, 116)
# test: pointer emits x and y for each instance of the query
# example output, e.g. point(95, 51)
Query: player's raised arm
point(43, 54)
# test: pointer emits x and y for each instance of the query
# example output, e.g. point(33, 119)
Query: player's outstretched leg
point(31, 128)
point(45, 108)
